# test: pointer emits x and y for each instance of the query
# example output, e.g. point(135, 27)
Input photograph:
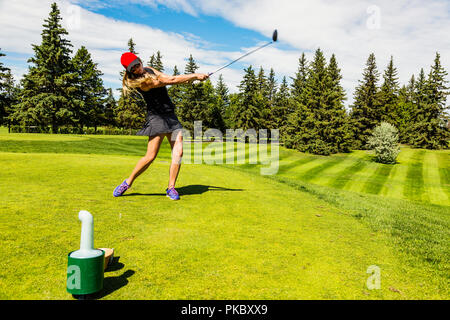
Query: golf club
point(274, 39)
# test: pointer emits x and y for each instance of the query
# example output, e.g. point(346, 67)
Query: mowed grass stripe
point(378, 179)
point(414, 185)
point(359, 179)
point(294, 164)
point(444, 171)
point(316, 172)
point(395, 183)
point(431, 177)
point(342, 179)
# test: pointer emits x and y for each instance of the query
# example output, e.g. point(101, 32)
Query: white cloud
point(410, 31)
point(105, 38)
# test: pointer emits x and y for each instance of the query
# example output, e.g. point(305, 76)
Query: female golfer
point(161, 120)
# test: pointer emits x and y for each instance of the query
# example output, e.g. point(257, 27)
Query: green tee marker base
point(85, 275)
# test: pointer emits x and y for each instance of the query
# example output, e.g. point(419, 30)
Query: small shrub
point(384, 141)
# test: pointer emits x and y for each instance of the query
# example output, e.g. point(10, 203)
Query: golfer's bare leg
point(152, 150)
point(176, 143)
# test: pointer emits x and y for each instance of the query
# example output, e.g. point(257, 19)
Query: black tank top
point(157, 100)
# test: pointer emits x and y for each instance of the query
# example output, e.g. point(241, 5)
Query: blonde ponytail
point(130, 81)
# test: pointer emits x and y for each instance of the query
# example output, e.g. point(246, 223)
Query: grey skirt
point(160, 123)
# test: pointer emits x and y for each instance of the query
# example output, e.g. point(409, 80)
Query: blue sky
point(218, 31)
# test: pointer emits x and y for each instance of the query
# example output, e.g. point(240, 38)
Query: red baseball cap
point(129, 60)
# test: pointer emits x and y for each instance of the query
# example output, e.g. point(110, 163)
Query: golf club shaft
point(209, 74)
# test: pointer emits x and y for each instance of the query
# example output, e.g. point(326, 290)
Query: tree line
point(61, 91)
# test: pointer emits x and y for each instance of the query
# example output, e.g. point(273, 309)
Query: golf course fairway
point(235, 234)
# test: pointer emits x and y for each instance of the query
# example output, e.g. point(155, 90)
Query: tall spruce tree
point(151, 61)
point(271, 97)
point(281, 108)
point(8, 94)
point(210, 102)
point(156, 61)
point(366, 112)
point(3, 88)
point(388, 95)
point(47, 95)
point(223, 100)
point(264, 97)
point(405, 109)
point(299, 111)
point(189, 109)
point(318, 123)
point(132, 46)
point(108, 109)
point(9, 98)
point(336, 128)
point(317, 90)
point(418, 99)
point(175, 91)
point(271, 85)
point(430, 129)
point(246, 111)
point(89, 90)
point(299, 82)
point(198, 102)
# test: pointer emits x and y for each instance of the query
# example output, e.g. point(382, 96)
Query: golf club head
point(275, 36)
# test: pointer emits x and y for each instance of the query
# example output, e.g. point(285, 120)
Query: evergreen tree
point(281, 108)
point(429, 129)
point(246, 111)
point(336, 128)
point(198, 101)
point(108, 109)
point(264, 97)
point(388, 95)
point(418, 100)
point(3, 88)
point(318, 123)
point(299, 82)
point(366, 111)
point(156, 62)
point(271, 85)
point(271, 97)
point(151, 62)
point(48, 90)
point(175, 91)
point(210, 103)
point(89, 90)
point(263, 86)
point(317, 85)
point(191, 66)
point(8, 93)
point(132, 46)
point(189, 109)
point(405, 110)
point(223, 100)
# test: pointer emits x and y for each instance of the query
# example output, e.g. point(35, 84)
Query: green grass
point(300, 234)
point(357, 172)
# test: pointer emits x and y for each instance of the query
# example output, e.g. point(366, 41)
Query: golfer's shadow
point(111, 284)
point(187, 190)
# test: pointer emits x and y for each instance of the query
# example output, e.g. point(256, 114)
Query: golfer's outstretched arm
point(165, 79)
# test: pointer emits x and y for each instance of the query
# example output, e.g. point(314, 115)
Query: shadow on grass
point(110, 284)
point(187, 190)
